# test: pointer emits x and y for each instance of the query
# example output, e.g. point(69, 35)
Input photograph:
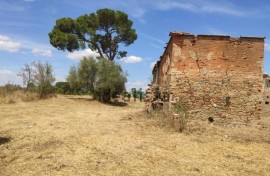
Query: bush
point(38, 77)
point(10, 100)
point(103, 79)
point(27, 97)
point(62, 87)
point(110, 80)
point(9, 89)
point(18, 96)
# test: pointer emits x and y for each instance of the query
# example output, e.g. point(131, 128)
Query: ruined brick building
point(266, 95)
point(215, 76)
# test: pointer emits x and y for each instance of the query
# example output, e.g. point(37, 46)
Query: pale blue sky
point(25, 24)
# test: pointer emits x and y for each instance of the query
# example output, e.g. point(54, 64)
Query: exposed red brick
point(214, 75)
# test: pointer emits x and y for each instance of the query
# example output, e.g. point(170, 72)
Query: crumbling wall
point(216, 76)
point(266, 98)
point(266, 93)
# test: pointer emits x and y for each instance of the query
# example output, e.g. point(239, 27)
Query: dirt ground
point(79, 136)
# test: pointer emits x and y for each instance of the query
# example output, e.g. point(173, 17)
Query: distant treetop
point(102, 31)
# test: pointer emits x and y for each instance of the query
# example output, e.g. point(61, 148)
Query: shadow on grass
point(88, 99)
point(120, 104)
point(4, 140)
point(81, 98)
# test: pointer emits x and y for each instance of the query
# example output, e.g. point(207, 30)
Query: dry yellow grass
point(78, 136)
point(18, 96)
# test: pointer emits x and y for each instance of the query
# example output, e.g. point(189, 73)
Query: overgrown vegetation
point(110, 80)
point(102, 32)
point(43, 79)
point(38, 77)
point(179, 110)
point(101, 78)
point(176, 116)
point(11, 93)
point(62, 88)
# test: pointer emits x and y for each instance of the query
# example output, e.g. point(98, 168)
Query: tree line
point(99, 77)
point(102, 78)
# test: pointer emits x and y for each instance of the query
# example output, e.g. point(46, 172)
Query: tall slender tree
point(73, 79)
point(27, 74)
point(43, 78)
point(87, 71)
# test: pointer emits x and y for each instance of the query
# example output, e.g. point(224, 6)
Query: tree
point(43, 78)
point(73, 79)
point(110, 80)
point(83, 78)
point(129, 95)
point(134, 93)
point(27, 74)
point(87, 71)
point(102, 31)
point(140, 94)
point(104, 79)
point(38, 76)
point(62, 87)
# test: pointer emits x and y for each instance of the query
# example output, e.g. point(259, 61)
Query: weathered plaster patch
point(209, 56)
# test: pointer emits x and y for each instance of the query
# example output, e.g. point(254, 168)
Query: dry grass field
point(79, 136)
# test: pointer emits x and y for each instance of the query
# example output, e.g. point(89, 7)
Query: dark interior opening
point(228, 101)
point(210, 119)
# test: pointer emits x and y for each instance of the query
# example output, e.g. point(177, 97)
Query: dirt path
point(77, 136)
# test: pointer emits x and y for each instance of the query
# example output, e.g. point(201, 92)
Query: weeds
point(10, 94)
point(176, 116)
point(179, 110)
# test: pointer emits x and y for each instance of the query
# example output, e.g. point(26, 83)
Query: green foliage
point(82, 79)
point(102, 31)
point(73, 79)
point(62, 87)
point(38, 77)
point(102, 78)
point(31, 87)
point(8, 89)
point(140, 94)
point(128, 95)
point(137, 93)
point(110, 80)
point(87, 72)
point(134, 92)
point(43, 78)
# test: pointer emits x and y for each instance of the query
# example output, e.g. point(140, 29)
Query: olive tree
point(73, 79)
point(103, 78)
point(87, 72)
point(110, 80)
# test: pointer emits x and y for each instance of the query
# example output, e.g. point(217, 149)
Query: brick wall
point(216, 76)
point(266, 95)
